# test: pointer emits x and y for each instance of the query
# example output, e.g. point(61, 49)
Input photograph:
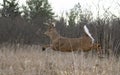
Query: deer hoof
point(43, 48)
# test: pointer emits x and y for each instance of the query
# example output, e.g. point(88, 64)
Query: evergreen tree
point(38, 8)
point(10, 8)
point(37, 12)
point(74, 15)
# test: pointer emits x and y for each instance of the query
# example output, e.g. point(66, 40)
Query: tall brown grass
point(31, 60)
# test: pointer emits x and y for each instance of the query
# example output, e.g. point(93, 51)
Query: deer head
point(51, 31)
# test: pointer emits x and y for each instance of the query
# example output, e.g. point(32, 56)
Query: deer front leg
point(45, 46)
point(49, 45)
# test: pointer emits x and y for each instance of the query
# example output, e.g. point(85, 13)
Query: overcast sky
point(61, 6)
point(65, 5)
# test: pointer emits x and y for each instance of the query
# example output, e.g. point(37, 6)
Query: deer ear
point(46, 24)
point(52, 25)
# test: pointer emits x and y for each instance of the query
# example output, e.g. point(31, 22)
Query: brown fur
point(64, 44)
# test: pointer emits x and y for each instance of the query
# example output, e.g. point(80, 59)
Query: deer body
point(64, 44)
point(71, 44)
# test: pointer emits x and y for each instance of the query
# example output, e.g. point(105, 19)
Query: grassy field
point(31, 60)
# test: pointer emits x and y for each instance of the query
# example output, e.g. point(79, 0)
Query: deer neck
point(55, 36)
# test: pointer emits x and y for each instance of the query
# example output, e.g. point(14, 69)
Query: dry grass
point(30, 60)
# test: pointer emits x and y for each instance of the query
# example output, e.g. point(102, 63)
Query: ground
point(31, 60)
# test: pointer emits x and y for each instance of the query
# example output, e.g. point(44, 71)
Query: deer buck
point(64, 44)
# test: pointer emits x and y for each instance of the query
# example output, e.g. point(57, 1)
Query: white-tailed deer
point(64, 44)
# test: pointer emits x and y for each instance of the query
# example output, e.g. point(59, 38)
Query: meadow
point(31, 60)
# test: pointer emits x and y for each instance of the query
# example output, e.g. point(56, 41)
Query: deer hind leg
point(99, 51)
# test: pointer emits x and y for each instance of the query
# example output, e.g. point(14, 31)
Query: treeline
point(20, 24)
point(26, 24)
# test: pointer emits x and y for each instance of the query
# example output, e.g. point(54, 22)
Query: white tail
point(88, 33)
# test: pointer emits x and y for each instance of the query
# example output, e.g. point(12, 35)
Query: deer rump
point(71, 44)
